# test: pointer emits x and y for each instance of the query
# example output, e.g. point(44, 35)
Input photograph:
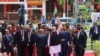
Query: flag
point(55, 10)
point(60, 2)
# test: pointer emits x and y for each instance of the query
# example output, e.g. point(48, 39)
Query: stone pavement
point(87, 53)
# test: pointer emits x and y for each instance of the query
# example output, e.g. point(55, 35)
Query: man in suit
point(8, 42)
point(21, 41)
point(94, 33)
point(21, 13)
point(79, 42)
point(65, 41)
point(14, 36)
point(14, 30)
point(31, 26)
point(54, 41)
point(30, 41)
point(53, 20)
point(43, 20)
point(41, 41)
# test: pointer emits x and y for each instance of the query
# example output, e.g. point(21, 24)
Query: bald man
point(8, 42)
point(21, 41)
point(41, 42)
point(30, 40)
point(55, 42)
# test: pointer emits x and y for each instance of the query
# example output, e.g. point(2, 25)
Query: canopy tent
point(83, 8)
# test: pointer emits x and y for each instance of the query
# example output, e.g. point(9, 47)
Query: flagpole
point(67, 8)
point(44, 8)
point(64, 9)
point(76, 8)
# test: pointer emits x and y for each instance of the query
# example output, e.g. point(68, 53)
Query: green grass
point(88, 44)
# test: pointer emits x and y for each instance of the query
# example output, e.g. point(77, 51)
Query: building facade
point(35, 8)
point(9, 7)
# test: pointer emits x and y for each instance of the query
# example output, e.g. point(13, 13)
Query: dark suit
point(80, 43)
point(41, 41)
point(21, 43)
point(64, 44)
point(94, 35)
point(15, 38)
point(31, 41)
point(8, 43)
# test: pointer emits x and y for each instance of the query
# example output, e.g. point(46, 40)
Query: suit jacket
point(41, 41)
point(81, 40)
point(19, 37)
point(53, 20)
point(32, 38)
point(43, 20)
point(66, 36)
point(92, 31)
point(15, 37)
point(8, 40)
point(55, 38)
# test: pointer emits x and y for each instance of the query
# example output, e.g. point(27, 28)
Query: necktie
point(23, 35)
point(41, 35)
point(7, 37)
point(96, 30)
point(77, 35)
point(29, 35)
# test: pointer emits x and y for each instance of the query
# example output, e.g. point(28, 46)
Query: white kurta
point(55, 49)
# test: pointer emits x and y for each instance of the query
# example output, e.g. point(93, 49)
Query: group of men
point(44, 41)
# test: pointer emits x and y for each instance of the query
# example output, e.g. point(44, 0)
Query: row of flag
point(58, 3)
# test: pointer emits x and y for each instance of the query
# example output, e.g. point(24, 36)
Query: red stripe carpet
point(88, 54)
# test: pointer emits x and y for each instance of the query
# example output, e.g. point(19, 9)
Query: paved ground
point(88, 53)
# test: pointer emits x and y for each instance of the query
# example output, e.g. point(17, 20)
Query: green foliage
point(86, 27)
point(61, 2)
point(96, 46)
point(71, 1)
point(98, 22)
point(85, 15)
point(97, 1)
point(88, 44)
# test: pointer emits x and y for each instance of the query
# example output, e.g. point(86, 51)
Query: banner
point(94, 16)
point(34, 2)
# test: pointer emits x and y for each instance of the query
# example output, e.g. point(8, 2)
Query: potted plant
point(96, 47)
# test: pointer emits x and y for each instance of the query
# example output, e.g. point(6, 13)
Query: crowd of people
point(59, 40)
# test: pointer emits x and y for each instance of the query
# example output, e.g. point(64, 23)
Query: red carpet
point(88, 54)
